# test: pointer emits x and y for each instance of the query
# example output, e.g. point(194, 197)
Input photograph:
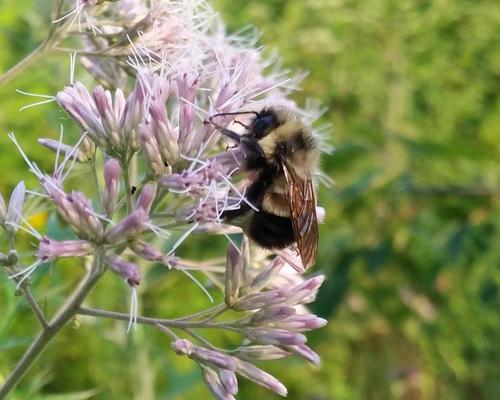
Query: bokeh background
point(411, 243)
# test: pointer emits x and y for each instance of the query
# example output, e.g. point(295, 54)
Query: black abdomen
point(271, 231)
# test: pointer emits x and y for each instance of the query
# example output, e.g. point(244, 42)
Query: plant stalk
point(67, 311)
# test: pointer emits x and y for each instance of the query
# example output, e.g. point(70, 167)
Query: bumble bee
point(281, 154)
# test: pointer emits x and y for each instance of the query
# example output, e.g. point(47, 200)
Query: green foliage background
point(410, 244)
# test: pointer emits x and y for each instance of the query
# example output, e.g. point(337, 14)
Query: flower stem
point(26, 62)
point(67, 311)
point(170, 323)
point(128, 187)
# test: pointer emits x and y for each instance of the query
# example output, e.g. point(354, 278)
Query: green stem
point(128, 187)
point(26, 62)
point(67, 311)
point(170, 323)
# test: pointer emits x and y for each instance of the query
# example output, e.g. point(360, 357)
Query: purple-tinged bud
point(133, 113)
point(166, 135)
point(186, 91)
point(130, 227)
point(146, 197)
point(184, 182)
point(304, 351)
point(51, 249)
point(260, 300)
point(3, 210)
point(260, 377)
point(89, 224)
point(229, 380)
point(112, 173)
point(301, 323)
point(305, 292)
point(232, 275)
point(267, 272)
point(271, 315)
point(215, 385)
point(151, 150)
point(78, 103)
point(104, 105)
point(127, 270)
point(15, 207)
point(183, 347)
point(64, 149)
point(260, 352)
point(203, 355)
point(146, 251)
point(276, 337)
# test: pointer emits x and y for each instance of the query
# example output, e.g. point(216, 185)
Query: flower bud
point(260, 352)
point(271, 315)
point(112, 173)
point(214, 383)
point(267, 272)
point(260, 377)
point(127, 270)
point(15, 207)
point(232, 275)
point(130, 227)
point(304, 351)
point(229, 380)
point(151, 150)
point(146, 197)
point(204, 356)
point(64, 149)
point(260, 300)
point(51, 249)
point(277, 337)
point(305, 292)
point(301, 323)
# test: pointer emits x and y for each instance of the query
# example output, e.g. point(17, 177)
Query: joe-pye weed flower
point(164, 169)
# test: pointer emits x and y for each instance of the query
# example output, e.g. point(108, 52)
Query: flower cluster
point(162, 166)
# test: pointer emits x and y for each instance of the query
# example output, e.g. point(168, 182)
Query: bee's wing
point(303, 214)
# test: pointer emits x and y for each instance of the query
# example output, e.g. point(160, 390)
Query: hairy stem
point(65, 313)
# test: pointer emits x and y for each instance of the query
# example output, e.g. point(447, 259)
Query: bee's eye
point(262, 125)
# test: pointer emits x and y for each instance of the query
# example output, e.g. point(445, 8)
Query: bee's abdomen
point(271, 231)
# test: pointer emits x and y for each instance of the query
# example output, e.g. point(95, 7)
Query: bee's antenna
point(235, 113)
point(226, 132)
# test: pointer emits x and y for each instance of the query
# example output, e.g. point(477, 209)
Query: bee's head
point(265, 122)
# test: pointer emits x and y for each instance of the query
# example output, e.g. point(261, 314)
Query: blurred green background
point(411, 241)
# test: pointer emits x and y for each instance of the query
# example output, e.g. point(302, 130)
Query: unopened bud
point(146, 197)
point(277, 337)
point(304, 351)
point(64, 149)
point(262, 378)
point(229, 380)
point(130, 227)
point(112, 173)
point(232, 275)
point(127, 270)
point(260, 300)
point(271, 315)
point(15, 207)
point(205, 356)
point(214, 383)
point(49, 249)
